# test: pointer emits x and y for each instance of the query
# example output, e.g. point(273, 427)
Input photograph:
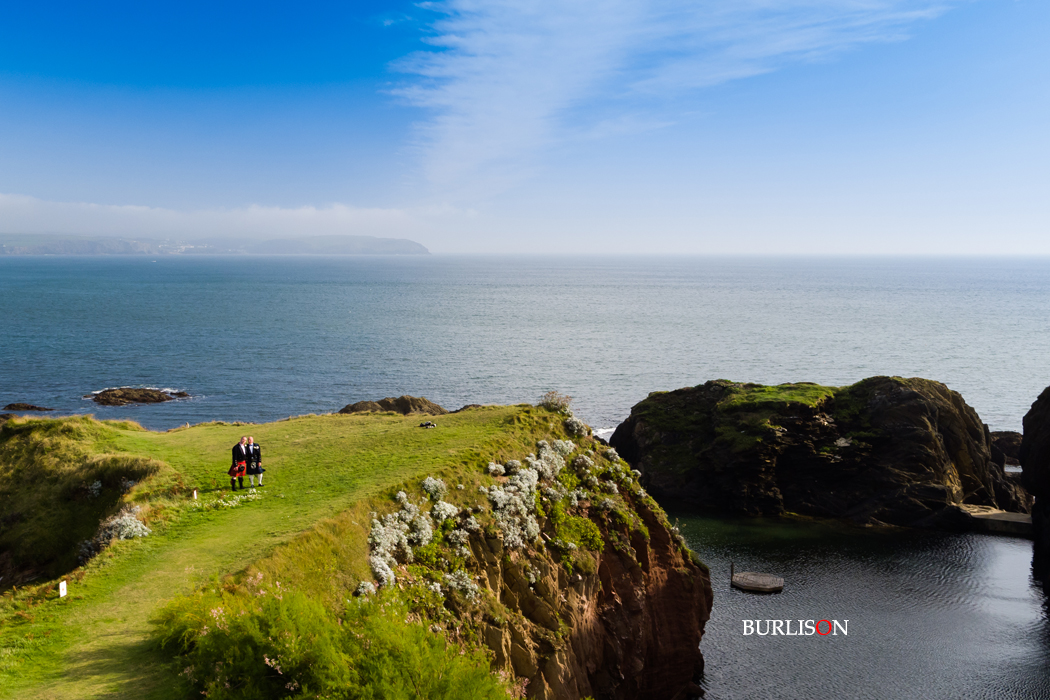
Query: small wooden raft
point(752, 581)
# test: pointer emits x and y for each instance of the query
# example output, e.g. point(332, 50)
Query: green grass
point(751, 397)
point(97, 641)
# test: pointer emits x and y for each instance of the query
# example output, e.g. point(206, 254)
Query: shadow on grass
point(113, 667)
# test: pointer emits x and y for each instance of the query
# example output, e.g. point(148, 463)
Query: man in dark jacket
point(241, 456)
point(254, 461)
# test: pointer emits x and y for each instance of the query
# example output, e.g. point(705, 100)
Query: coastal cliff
point(1034, 456)
point(504, 550)
point(626, 623)
point(884, 450)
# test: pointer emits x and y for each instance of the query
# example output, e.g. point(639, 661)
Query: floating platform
point(755, 582)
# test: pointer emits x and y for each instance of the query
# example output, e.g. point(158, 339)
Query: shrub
point(555, 401)
point(276, 643)
point(576, 427)
point(442, 511)
point(435, 488)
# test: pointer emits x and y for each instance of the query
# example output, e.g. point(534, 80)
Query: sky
point(576, 126)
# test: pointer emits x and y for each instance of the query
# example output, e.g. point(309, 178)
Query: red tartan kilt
point(238, 469)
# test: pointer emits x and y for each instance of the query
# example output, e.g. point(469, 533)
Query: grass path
point(96, 642)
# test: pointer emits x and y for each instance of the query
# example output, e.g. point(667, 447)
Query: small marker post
point(195, 494)
point(62, 589)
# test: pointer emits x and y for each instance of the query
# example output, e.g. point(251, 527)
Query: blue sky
point(755, 126)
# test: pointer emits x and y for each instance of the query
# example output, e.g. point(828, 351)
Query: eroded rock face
point(1006, 447)
point(402, 404)
point(128, 395)
point(25, 407)
point(632, 625)
point(890, 450)
point(1035, 463)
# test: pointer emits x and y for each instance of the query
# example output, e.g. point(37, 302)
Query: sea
point(257, 338)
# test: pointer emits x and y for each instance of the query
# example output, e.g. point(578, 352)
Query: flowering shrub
point(435, 488)
point(442, 511)
point(365, 588)
point(576, 427)
point(124, 525)
point(511, 466)
point(582, 463)
point(419, 531)
point(610, 486)
point(388, 542)
point(94, 489)
point(513, 505)
point(578, 495)
point(548, 464)
point(554, 401)
point(564, 447)
point(612, 455)
point(459, 580)
point(495, 469)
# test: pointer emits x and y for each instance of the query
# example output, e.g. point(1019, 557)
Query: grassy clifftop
point(97, 640)
point(294, 553)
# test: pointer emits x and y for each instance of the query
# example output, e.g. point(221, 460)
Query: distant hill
point(55, 244)
point(51, 244)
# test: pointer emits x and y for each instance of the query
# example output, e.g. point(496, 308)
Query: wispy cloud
point(508, 80)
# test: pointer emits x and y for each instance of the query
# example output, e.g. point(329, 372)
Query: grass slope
point(96, 643)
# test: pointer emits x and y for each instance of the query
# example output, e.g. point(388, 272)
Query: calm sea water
point(262, 338)
point(931, 615)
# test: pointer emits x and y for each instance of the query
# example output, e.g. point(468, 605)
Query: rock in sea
point(884, 450)
point(129, 395)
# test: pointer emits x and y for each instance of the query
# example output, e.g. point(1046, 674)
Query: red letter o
point(818, 627)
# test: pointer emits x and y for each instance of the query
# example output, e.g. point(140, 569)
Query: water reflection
point(931, 615)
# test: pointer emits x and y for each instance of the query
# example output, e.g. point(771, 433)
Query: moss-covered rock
point(404, 405)
point(886, 449)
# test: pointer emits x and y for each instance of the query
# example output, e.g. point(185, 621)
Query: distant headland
point(58, 244)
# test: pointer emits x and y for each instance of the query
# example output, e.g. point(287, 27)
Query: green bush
point(254, 642)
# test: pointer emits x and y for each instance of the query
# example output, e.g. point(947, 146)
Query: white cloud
point(23, 214)
point(509, 80)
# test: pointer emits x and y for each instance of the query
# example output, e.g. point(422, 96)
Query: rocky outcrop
point(402, 404)
point(25, 407)
point(625, 625)
point(1006, 448)
point(884, 450)
point(129, 395)
point(1035, 463)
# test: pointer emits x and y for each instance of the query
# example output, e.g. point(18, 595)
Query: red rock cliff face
point(627, 625)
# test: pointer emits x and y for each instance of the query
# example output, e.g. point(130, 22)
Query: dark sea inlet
point(261, 338)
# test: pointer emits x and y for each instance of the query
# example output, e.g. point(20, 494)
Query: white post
point(62, 589)
point(195, 494)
